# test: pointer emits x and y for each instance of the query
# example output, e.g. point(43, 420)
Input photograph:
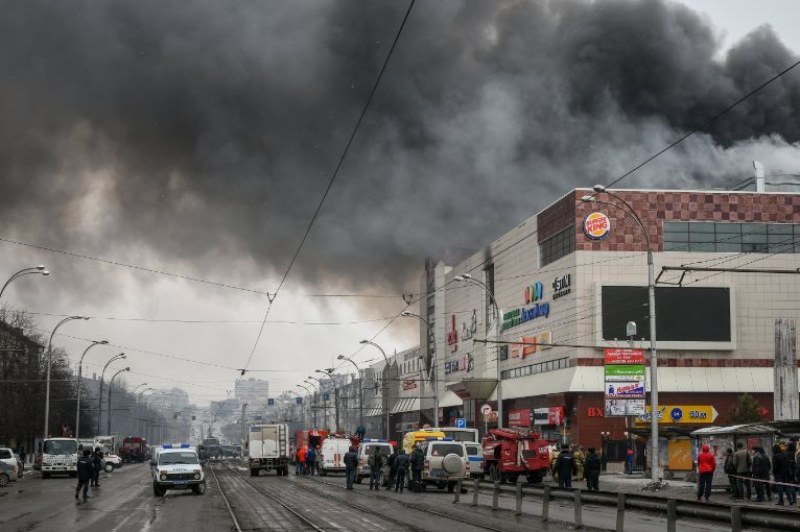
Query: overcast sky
point(198, 142)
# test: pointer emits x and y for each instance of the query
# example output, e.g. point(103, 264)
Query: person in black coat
point(351, 465)
point(565, 467)
point(97, 459)
point(591, 470)
point(85, 473)
point(781, 474)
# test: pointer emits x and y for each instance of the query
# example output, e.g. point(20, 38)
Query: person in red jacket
point(706, 464)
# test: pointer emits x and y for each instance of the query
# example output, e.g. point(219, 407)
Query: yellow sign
point(681, 415)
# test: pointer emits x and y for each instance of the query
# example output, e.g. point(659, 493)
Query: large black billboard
point(683, 314)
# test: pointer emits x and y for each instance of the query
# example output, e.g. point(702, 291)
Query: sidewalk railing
point(736, 515)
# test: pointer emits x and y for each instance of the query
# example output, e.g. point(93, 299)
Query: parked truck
point(509, 453)
point(268, 448)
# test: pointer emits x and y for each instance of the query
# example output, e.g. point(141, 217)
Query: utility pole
point(241, 453)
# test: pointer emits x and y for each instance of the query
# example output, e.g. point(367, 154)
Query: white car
point(7, 457)
point(111, 461)
point(177, 467)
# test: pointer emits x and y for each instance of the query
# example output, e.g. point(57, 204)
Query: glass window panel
point(729, 247)
point(676, 237)
point(676, 227)
point(702, 247)
point(701, 227)
point(728, 227)
point(702, 237)
point(779, 229)
point(754, 229)
point(754, 238)
point(675, 246)
point(754, 247)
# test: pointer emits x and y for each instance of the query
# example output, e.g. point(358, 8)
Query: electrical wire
point(331, 181)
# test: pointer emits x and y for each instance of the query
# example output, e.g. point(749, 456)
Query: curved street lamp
point(110, 382)
point(328, 373)
point(80, 385)
point(40, 269)
point(385, 384)
point(100, 395)
point(360, 390)
point(49, 365)
point(497, 313)
point(432, 377)
point(655, 469)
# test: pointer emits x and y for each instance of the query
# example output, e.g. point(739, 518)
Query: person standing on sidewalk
point(761, 469)
point(98, 465)
point(742, 462)
point(706, 464)
point(351, 466)
point(376, 462)
point(85, 473)
point(780, 471)
point(401, 467)
point(417, 462)
point(565, 466)
point(730, 470)
point(591, 470)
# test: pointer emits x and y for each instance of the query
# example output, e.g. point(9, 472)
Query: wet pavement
point(124, 502)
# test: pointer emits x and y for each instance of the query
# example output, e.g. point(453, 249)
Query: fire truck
point(509, 453)
point(134, 449)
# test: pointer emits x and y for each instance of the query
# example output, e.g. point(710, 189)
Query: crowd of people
point(752, 469)
point(307, 460)
point(572, 463)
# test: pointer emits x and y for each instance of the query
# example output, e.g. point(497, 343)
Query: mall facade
point(570, 284)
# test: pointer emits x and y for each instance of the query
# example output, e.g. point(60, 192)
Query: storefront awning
point(472, 388)
point(406, 404)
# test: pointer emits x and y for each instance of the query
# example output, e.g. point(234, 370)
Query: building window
point(731, 237)
point(534, 369)
point(559, 245)
point(503, 352)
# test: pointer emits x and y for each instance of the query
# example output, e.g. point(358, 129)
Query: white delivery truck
point(333, 451)
point(60, 455)
point(268, 448)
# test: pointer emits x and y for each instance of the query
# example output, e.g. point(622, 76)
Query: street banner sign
point(624, 407)
point(681, 414)
point(624, 380)
point(461, 423)
point(624, 356)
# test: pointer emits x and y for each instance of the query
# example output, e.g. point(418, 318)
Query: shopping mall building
point(569, 281)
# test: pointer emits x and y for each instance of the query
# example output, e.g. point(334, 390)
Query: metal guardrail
point(736, 516)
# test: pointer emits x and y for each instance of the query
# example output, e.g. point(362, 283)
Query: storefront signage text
point(522, 315)
point(553, 415)
point(681, 414)
point(409, 384)
point(462, 363)
point(596, 225)
point(530, 344)
point(520, 418)
point(452, 335)
point(562, 286)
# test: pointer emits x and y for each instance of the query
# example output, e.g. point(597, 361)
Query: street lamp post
point(310, 396)
point(360, 390)
point(315, 396)
point(40, 269)
point(80, 385)
point(467, 278)
point(100, 395)
point(325, 409)
point(138, 399)
point(432, 377)
point(328, 373)
point(110, 382)
point(49, 364)
point(655, 469)
point(385, 384)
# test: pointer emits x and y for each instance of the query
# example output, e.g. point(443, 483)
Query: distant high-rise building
point(252, 391)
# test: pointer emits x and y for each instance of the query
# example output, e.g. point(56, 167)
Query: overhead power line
point(331, 181)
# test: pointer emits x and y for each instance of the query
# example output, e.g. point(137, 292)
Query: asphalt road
point(124, 502)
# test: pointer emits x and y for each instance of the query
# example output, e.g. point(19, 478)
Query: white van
point(365, 448)
point(333, 451)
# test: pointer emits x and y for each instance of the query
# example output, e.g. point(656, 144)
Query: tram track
point(325, 517)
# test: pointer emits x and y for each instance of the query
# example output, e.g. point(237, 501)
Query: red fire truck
point(133, 449)
point(509, 453)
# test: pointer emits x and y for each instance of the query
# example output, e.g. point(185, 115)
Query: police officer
point(85, 473)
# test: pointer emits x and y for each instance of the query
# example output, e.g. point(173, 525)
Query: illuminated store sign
point(596, 226)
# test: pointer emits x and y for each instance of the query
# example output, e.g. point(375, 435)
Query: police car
point(177, 467)
point(365, 449)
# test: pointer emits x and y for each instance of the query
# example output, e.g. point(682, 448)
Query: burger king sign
point(596, 226)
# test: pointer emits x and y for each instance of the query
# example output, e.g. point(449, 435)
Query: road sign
point(270, 402)
point(326, 396)
point(486, 409)
point(461, 423)
point(682, 414)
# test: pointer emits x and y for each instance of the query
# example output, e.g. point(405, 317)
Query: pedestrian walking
point(22, 454)
point(629, 462)
point(730, 470)
point(98, 465)
point(761, 470)
point(591, 470)
point(85, 473)
point(376, 462)
point(706, 464)
point(401, 463)
point(742, 463)
point(392, 470)
point(780, 472)
point(300, 461)
point(417, 462)
point(565, 467)
point(351, 466)
point(580, 457)
point(311, 461)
